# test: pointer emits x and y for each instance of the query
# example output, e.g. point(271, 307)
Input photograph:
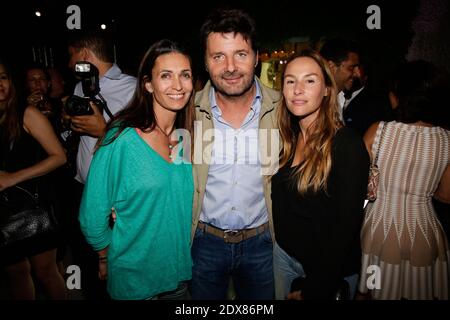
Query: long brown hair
point(139, 113)
point(11, 111)
point(313, 172)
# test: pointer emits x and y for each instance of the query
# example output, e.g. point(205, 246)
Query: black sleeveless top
point(23, 153)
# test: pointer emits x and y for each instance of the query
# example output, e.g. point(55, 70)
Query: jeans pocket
point(198, 233)
point(266, 236)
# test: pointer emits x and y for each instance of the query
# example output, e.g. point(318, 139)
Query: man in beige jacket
point(235, 152)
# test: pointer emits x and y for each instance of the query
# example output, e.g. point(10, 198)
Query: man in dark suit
point(362, 105)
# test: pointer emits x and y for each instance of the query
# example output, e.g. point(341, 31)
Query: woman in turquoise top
point(142, 169)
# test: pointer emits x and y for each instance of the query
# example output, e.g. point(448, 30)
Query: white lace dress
point(401, 234)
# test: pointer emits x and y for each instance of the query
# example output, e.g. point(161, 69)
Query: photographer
point(117, 89)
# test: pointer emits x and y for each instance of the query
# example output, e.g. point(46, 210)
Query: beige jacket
point(202, 149)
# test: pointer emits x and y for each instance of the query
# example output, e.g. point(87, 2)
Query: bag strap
point(34, 197)
point(379, 143)
point(108, 112)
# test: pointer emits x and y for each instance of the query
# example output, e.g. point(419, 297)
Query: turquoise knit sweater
point(149, 245)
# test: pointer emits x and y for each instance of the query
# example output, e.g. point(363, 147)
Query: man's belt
point(233, 236)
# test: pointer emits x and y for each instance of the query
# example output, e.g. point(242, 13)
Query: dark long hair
point(12, 110)
point(421, 89)
point(139, 113)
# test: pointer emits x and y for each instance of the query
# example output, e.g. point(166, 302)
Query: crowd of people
point(164, 193)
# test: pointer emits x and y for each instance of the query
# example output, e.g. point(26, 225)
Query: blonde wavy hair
point(312, 174)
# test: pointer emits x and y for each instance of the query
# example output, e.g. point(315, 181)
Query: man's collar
point(113, 73)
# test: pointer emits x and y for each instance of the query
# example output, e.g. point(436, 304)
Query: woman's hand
point(103, 264)
point(7, 180)
point(113, 214)
point(35, 97)
point(363, 296)
point(295, 295)
point(103, 268)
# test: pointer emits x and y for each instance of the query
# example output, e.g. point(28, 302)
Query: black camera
point(88, 74)
point(78, 106)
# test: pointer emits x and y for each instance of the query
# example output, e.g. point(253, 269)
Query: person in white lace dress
point(405, 251)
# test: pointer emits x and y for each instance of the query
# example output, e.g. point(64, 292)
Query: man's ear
point(393, 99)
point(332, 66)
point(257, 58)
point(87, 54)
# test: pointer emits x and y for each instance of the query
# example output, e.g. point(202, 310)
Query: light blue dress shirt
point(234, 196)
point(117, 88)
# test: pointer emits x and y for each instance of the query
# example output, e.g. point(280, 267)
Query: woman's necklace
point(168, 137)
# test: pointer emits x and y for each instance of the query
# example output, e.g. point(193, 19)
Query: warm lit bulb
point(37, 13)
point(103, 26)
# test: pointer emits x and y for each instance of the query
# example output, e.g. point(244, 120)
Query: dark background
point(137, 24)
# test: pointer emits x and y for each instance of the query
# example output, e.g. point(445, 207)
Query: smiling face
point(5, 84)
point(171, 84)
point(304, 88)
point(346, 71)
point(230, 61)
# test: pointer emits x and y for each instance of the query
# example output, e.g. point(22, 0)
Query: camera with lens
point(88, 74)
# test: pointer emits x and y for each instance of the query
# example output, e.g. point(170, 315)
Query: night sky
point(139, 23)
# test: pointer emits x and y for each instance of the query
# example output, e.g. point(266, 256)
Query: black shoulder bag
point(24, 216)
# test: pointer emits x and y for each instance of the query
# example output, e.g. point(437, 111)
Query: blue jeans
point(287, 268)
point(249, 263)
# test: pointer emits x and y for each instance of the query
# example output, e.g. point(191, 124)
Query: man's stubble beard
point(223, 92)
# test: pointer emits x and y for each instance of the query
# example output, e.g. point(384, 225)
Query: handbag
point(374, 173)
point(24, 216)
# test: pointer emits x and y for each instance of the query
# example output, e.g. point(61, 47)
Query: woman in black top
point(318, 193)
point(29, 149)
